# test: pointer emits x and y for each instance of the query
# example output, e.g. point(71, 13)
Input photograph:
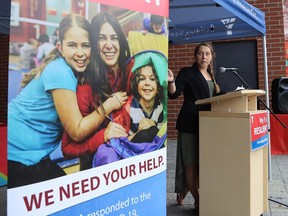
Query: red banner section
point(279, 134)
point(158, 7)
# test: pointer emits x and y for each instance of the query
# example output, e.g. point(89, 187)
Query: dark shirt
point(194, 86)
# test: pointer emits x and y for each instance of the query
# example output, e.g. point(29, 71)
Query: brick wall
point(179, 56)
point(4, 50)
point(182, 55)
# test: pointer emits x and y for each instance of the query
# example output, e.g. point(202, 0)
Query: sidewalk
point(278, 188)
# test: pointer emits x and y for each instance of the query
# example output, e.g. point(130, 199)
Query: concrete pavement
point(278, 188)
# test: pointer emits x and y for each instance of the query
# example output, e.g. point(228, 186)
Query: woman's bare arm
point(77, 126)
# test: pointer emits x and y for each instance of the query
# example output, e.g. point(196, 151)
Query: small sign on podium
point(259, 130)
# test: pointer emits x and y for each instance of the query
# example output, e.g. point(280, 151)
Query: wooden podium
point(233, 175)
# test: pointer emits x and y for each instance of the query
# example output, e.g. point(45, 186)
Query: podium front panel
point(233, 178)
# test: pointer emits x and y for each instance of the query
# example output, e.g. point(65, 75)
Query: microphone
point(223, 69)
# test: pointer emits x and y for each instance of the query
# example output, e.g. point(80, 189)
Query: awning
point(210, 20)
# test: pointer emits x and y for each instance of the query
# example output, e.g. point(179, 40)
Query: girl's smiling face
point(109, 46)
point(147, 85)
point(75, 48)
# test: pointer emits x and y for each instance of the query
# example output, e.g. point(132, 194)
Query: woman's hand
point(170, 76)
point(143, 125)
point(114, 130)
point(77, 126)
point(146, 123)
point(115, 102)
point(171, 82)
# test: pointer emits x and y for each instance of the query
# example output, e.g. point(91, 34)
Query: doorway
point(238, 54)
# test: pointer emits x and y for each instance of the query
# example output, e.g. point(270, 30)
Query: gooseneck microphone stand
point(235, 72)
point(245, 83)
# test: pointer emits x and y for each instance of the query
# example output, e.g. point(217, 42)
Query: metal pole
point(268, 104)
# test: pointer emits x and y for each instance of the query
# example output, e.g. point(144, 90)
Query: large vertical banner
point(114, 60)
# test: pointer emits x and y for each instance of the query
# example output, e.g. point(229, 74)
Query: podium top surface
point(231, 95)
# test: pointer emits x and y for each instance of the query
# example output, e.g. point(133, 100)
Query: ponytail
point(217, 87)
point(210, 71)
point(36, 72)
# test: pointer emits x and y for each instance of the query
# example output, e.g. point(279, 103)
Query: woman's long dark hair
point(69, 21)
point(99, 80)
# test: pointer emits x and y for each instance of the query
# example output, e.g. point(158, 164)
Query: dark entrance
point(241, 55)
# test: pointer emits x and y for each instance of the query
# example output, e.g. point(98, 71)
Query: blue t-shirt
point(34, 128)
